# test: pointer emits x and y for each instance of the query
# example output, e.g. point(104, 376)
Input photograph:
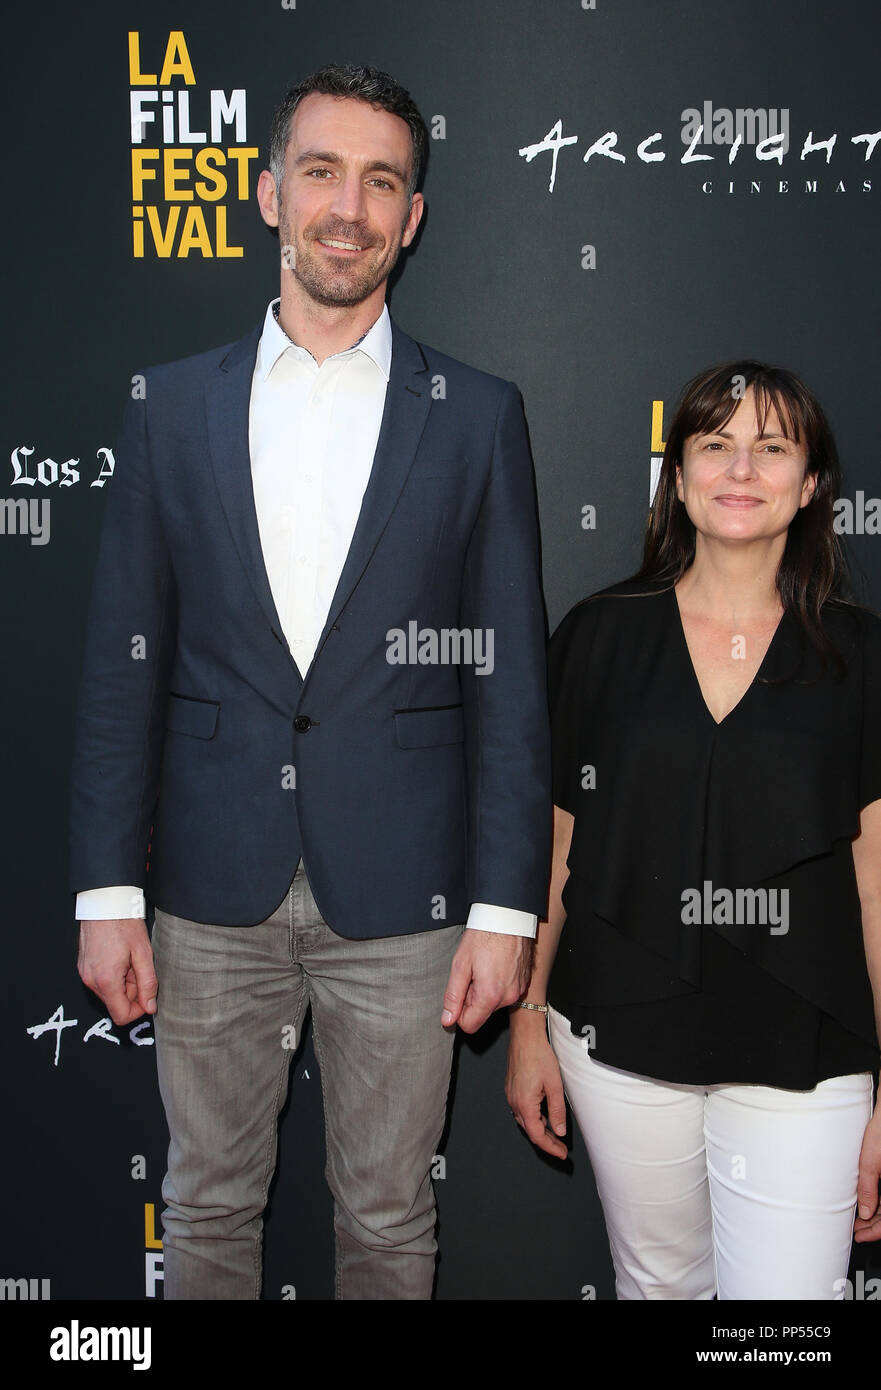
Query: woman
point(710, 970)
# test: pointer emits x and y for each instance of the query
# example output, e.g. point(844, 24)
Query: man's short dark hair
point(363, 84)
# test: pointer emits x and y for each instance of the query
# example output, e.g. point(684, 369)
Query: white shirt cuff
point(508, 921)
point(105, 904)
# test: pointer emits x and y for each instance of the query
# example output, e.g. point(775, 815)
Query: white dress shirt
point(312, 434)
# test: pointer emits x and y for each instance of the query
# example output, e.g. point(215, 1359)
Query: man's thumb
point(454, 994)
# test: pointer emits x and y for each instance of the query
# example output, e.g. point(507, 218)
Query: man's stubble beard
point(334, 288)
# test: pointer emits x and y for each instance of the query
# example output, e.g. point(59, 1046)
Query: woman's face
point(742, 485)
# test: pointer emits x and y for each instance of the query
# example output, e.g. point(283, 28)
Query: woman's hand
point(534, 1076)
point(867, 863)
point(869, 1227)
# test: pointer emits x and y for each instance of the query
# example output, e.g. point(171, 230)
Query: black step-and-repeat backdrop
point(619, 194)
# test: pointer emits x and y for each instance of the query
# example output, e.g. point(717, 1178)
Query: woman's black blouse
point(667, 965)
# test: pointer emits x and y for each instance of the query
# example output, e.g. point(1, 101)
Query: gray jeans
point(231, 1004)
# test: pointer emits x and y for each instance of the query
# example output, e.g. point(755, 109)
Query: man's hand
point(116, 962)
point(489, 970)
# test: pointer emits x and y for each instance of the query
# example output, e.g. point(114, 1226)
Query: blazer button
point(302, 723)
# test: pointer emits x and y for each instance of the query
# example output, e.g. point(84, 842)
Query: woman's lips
point(731, 499)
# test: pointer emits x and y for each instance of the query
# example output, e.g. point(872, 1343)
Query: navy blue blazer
point(409, 790)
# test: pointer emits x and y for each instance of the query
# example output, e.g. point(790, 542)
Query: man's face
point(343, 214)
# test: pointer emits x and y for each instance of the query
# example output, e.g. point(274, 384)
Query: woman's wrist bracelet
point(537, 1008)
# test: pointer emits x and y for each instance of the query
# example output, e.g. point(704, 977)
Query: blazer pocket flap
point(195, 717)
point(438, 471)
point(421, 728)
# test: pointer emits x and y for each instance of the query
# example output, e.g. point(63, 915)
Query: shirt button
point(302, 723)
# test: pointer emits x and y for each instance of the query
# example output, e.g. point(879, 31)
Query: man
point(315, 668)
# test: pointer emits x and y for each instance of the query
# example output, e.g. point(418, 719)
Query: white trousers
point(740, 1191)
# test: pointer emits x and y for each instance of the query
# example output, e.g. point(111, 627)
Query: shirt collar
point(375, 344)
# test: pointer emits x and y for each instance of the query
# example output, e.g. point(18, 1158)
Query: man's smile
point(339, 245)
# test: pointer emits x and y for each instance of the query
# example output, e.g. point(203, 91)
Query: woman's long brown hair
point(812, 568)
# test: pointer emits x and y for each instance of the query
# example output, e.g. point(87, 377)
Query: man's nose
point(348, 203)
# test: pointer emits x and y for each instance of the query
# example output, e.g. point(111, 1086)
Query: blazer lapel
point(227, 401)
point(407, 403)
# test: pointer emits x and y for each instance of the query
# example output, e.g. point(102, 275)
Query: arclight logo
point(77, 1343)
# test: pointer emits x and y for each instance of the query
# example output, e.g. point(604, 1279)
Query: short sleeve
point(870, 760)
point(567, 670)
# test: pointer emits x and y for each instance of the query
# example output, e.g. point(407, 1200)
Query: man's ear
point(267, 198)
point(417, 207)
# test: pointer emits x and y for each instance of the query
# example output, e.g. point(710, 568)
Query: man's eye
point(381, 183)
point(714, 444)
point(318, 173)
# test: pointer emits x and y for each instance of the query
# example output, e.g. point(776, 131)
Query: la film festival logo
point(189, 158)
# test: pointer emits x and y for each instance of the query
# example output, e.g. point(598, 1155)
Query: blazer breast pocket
point(426, 728)
point(185, 715)
point(438, 470)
